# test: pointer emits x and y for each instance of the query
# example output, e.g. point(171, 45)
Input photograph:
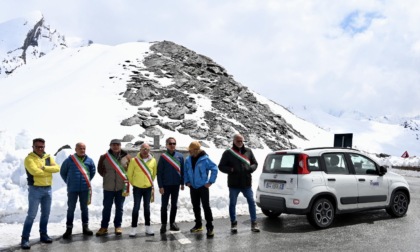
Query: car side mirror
point(382, 170)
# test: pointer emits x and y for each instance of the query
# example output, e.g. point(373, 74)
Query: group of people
point(120, 172)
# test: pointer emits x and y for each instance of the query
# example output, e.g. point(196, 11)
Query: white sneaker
point(133, 232)
point(149, 230)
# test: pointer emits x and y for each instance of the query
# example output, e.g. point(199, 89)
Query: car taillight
point(302, 167)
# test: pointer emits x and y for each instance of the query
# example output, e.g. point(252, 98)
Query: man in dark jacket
point(239, 163)
point(77, 171)
point(112, 166)
point(170, 177)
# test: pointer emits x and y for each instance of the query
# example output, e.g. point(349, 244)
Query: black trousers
point(172, 192)
point(201, 194)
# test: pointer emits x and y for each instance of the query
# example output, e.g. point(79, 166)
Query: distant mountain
point(23, 40)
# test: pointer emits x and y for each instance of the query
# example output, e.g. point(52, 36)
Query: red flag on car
point(405, 155)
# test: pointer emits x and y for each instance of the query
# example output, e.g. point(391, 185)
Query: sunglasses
point(171, 143)
point(145, 149)
point(39, 147)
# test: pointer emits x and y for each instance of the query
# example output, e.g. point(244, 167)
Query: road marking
point(180, 237)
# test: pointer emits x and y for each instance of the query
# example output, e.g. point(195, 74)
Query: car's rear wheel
point(271, 213)
point(399, 204)
point(322, 213)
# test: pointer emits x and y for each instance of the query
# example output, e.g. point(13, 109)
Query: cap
point(195, 145)
point(115, 141)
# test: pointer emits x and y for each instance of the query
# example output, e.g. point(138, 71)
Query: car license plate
point(274, 185)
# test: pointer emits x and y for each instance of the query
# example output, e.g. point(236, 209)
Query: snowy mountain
point(23, 40)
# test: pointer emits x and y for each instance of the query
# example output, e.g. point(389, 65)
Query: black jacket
point(239, 173)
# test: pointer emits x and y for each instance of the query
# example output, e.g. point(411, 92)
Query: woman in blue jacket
point(196, 177)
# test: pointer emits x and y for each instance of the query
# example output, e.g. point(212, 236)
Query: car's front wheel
point(322, 213)
point(399, 204)
point(271, 213)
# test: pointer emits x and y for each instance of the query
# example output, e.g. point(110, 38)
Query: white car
point(322, 182)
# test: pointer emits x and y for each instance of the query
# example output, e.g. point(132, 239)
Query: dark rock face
point(193, 77)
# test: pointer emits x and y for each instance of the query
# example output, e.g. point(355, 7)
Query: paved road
point(367, 231)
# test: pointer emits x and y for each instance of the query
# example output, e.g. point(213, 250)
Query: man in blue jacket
point(77, 171)
point(170, 177)
point(197, 167)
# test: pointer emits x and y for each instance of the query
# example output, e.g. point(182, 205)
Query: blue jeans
point(38, 195)
point(109, 198)
point(71, 206)
point(138, 193)
point(171, 191)
point(233, 198)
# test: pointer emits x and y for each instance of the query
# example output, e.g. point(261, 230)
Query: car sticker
point(374, 183)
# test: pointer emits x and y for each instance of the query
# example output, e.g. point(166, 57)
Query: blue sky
point(328, 54)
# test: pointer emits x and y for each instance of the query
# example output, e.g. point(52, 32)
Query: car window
point(313, 164)
point(280, 163)
point(335, 163)
point(363, 165)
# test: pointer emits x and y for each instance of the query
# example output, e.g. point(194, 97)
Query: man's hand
point(161, 190)
point(207, 185)
point(182, 187)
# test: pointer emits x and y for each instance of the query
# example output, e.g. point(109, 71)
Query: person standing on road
point(197, 168)
point(39, 168)
point(239, 163)
point(112, 166)
point(141, 174)
point(77, 171)
point(170, 177)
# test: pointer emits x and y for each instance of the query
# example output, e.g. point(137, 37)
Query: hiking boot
point(118, 231)
point(86, 230)
point(149, 230)
point(133, 232)
point(210, 233)
point(163, 229)
point(174, 227)
point(67, 234)
point(24, 244)
point(45, 238)
point(234, 227)
point(254, 227)
point(196, 228)
point(102, 232)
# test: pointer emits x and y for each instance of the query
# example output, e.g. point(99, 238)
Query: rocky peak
point(31, 38)
point(202, 101)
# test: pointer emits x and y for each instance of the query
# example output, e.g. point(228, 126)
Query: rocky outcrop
point(202, 101)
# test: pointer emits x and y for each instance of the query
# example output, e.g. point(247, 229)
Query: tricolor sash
point(85, 173)
point(241, 157)
point(173, 162)
point(143, 166)
point(120, 171)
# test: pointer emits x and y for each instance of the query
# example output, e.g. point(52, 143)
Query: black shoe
point(86, 230)
point(254, 227)
point(196, 228)
point(24, 244)
point(163, 229)
point(234, 227)
point(45, 238)
point(174, 227)
point(210, 233)
point(67, 234)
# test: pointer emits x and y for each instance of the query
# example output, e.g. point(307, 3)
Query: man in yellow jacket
point(39, 168)
point(141, 173)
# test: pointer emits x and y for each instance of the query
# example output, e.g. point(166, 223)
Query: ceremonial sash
point(241, 157)
point(173, 162)
point(120, 171)
point(85, 172)
point(143, 166)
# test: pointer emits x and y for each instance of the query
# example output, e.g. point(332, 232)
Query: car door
point(339, 181)
point(372, 188)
